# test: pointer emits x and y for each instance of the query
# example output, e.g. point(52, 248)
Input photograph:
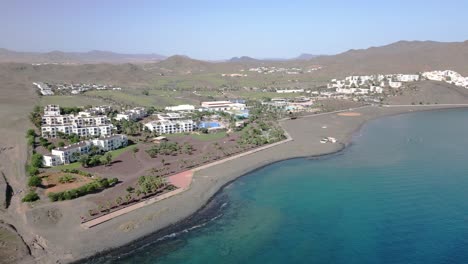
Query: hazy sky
point(220, 29)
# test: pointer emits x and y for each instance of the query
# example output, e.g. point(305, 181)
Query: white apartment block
point(82, 131)
point(72, 153)
point(132, 114)
point(394, 85)
point(448, 76)
point(170, 127)
point(222, 106)
point(180, 108)
point(407, 77)
point(170, 116)
point(52, 110)
point(290, 91)
point(111, 142)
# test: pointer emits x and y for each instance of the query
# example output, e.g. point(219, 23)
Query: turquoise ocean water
point(398, 194)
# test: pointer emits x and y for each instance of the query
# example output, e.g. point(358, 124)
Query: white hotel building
point(222, 106)
point(66, 155)
point(170, 127)
point(82, 125)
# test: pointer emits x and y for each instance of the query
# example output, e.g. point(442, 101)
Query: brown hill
point(94, 56)
point(399, 57)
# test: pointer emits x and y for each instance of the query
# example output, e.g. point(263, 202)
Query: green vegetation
point(90, 160)
point(34, 181)
point(70, 110)
point(70, 100)
point(36, 160)
point(202, 136)
point(150, 184)
point(66, 178)
point(31, 196)
point(164, 148)
point(31, 170)
point(71, 166)
point(75, 171)
point(35, 117)
point(96, 185)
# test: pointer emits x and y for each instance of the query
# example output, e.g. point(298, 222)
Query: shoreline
point(209, 183)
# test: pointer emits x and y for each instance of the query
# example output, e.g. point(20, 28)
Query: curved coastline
point(303, 145)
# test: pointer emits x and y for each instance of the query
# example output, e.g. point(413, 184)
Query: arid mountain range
point(399, 57)
point(95, 56)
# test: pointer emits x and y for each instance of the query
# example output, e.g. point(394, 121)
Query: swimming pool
point(209, 124)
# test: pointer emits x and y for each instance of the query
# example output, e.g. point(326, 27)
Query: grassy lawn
point(135, 97)
point(70, 100)
point(74, 165)
point(116, 153)
point(201, 137)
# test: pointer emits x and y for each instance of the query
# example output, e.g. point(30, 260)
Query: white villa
point(71, 153)
point(170, 127)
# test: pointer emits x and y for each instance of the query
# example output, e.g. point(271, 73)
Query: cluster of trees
point(70, 110)
point(96, 185)
point(46, 144)
point(150, 184)
point(251, 135)
point(129, 127)
point(31, 137)
point(94, 158)
point(166, 148)
point(73, 138)
point(35, 116)
point(75, 171)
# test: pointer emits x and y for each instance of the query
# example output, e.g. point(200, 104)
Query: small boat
point(324, 140)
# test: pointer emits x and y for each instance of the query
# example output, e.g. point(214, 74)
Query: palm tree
point(118, 200)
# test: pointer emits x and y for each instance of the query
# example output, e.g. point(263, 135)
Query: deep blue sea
point(398, 194)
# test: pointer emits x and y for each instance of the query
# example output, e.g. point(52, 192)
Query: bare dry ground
point(430, 92)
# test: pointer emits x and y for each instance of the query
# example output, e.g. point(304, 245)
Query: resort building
point(111, 142)
point(132, 114)
point(290, 91)
point(52, 110)
point(51, 131)
point(72, 153)
point(180, 108)
point(83, 125)
point(221, 106)
point(170, 127)
point(170, 116)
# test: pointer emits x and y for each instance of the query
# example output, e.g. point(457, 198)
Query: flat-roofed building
point(71, 153)
point(222, 106)
point(170, 127)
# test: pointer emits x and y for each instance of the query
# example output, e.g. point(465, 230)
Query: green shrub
point(36, 160)
point(30, 197)
point(34, 181)
point(66, 178)
point(98, 184)
point(31, 133)
point(31, 170)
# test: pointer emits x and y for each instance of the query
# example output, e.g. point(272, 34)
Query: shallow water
point(399, 194)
